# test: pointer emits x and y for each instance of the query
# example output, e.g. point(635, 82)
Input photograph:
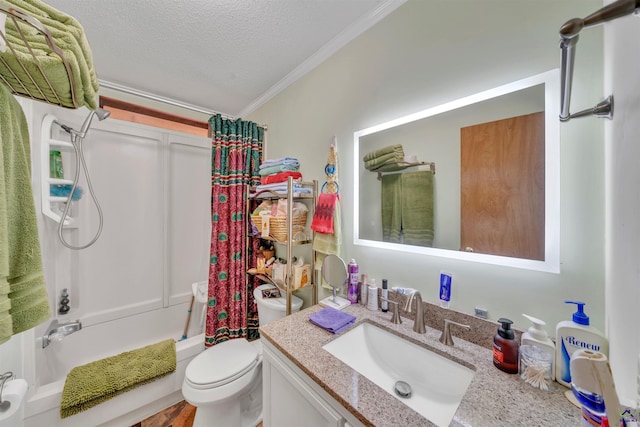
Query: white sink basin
point(437, 383)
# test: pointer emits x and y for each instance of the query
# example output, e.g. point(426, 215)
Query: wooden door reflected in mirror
point(502, 187)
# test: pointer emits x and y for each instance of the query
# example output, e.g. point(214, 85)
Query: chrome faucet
point(395, 317)
point(445, 337)
point(57, 330)
point(418, 324)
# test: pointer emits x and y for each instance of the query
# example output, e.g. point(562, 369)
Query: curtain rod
point(147, 95)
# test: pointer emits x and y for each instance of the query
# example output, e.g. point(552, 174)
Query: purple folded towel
point(332, 320)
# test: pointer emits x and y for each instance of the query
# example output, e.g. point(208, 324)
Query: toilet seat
point(221, 364)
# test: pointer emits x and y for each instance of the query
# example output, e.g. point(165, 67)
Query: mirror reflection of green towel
point(417, 208)
point(407, 208)
point(391, 149)
point(391, 207)
point(378, 162)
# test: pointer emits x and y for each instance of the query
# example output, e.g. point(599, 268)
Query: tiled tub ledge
point(493, 399)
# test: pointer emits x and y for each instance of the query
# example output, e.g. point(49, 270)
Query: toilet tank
point(270, 309)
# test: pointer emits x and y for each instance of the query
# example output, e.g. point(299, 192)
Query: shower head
point(101, 113)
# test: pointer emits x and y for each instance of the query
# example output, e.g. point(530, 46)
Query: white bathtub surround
point(133, 287)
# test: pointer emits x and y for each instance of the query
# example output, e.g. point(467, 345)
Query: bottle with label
point(385, 294)
point(55, 164)
point(353, 282)
point(536, 335)
point(573, 335)
point(445, 289)
point(505, 348)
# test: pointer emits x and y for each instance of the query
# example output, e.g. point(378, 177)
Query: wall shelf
point(50, 204)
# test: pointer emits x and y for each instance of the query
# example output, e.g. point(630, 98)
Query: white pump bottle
point(536, 335)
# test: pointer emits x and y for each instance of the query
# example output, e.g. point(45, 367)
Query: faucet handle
point(445, 337)
point(395, 316)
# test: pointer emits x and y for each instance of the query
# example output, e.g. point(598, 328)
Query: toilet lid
point(221, 364)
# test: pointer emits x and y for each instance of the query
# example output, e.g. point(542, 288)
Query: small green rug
point(96, 382)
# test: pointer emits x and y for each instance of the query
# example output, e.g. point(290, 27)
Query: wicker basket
point(278, 225)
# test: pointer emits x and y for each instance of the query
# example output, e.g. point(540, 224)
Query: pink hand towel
point(323, 216)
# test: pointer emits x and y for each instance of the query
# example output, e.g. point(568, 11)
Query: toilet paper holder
point(7, 376)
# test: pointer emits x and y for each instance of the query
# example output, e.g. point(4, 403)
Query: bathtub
point(133, 287)
point(51, 364)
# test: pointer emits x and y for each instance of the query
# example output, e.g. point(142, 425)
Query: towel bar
point(432, 167)
point(568, 41)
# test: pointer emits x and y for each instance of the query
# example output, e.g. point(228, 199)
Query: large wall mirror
point(494, 196)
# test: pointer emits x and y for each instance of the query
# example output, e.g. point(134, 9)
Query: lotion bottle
point(505, 348)
point(573, 335)
point(536, 335)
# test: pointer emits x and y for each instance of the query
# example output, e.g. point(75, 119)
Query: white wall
point(430, 52)
point(622, 62)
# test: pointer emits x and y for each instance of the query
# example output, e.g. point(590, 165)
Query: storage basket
point(278, 225)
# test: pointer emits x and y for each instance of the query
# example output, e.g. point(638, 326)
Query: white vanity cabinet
point(292, 399)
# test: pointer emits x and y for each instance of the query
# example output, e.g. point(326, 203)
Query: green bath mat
point(96, 382)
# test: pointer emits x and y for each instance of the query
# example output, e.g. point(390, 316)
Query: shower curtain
point(236, 157)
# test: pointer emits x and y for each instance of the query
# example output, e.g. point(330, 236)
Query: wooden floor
point(179, 415)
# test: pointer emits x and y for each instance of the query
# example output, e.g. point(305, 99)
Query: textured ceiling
point(226, 56)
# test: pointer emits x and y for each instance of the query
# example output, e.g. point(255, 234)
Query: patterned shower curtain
point(236, 157)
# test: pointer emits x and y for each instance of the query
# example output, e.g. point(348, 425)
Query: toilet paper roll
point(13, 394)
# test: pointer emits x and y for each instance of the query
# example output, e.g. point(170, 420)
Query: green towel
point(392, 166)
point(417, 208)
point(6, 323)
point(21, 84)
point(391, 149)
point(69, 36)
point(391, 207)
point(407, 208)
point(385, 159)
point(89, 385)
point(83, 76)
point(60, 25)
point(25, 303)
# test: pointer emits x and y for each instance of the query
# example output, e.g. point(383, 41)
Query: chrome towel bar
point(568, 41)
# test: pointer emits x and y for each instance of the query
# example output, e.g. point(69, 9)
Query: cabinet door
point(289, 402)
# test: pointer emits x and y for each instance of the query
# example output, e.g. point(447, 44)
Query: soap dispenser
point(536, 335)
point(505, 348)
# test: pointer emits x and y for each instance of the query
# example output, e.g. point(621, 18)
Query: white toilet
point(224, 382)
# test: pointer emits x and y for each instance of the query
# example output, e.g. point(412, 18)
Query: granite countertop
point(493, 399)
